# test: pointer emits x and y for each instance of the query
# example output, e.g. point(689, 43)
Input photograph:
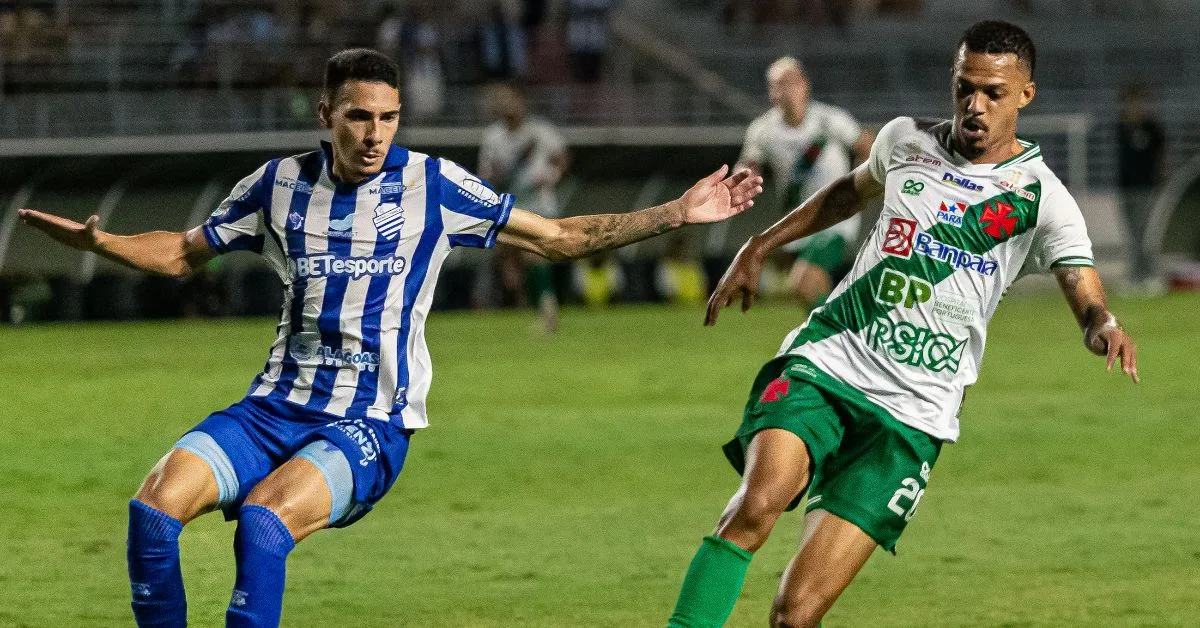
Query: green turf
point(566, 481)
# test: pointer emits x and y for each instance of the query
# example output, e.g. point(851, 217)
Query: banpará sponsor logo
point(898, 238)
point(361, 435)
point(300, 187)
point(916, 346)
point(962, 182)
point(926, 245)
point(329, 265)
point(922, 159)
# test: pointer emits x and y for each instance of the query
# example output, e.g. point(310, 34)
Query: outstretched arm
point(713, 198)
point(836, 202)
point(172, 253)
point(1102, 334)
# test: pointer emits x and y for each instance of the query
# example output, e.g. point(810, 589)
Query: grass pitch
point(567, 480)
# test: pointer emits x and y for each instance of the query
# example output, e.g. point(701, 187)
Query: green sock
point(712, 585)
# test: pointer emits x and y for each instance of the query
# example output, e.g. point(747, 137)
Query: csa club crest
point(898, 240)
point(388, 219)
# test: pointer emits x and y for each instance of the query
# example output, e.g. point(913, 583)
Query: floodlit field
point(566, 481)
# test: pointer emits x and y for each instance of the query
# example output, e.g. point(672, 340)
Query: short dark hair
point(358, 64)
point(996, 37)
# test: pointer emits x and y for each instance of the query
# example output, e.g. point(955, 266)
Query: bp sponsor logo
point(962, 182)
point(951, 213)
point(917, 346)
point(896, 288)
point(320, 265)
point(926, 245)
point(912, 187)
point(898, 239)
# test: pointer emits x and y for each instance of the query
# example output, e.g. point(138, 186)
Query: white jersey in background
point(805, 158)
point(359, 264)
point(523, 157)
point(907, 325)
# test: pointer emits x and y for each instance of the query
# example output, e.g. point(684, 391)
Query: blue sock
point(261, 544)
point(154, 575)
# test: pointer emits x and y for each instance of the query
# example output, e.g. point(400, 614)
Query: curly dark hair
point(358, 64)
point(997, 37)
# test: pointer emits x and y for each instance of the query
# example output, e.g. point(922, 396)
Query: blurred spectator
point(424, 81)
point(679, 278)
point(587, 37)
point(599, 280)
point(501, 44)
point(389, 34)
point(1141, 146)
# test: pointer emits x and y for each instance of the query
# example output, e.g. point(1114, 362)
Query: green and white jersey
point(907, 326)
point(523, 159)
point(804, 158)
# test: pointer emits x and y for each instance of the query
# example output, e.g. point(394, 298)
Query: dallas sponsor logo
point(916, 346)
point(961, 182)
point(898, 238)
point(951, 213)
point(329, 265)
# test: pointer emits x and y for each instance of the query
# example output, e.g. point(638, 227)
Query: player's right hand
point(741, 279)
point(71, 233)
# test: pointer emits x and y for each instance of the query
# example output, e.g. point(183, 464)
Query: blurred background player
point(525, 156)
point(1141, 154)
point(806, 145)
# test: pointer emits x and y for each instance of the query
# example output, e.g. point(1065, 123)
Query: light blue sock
point(153, 554)
point(261, 545)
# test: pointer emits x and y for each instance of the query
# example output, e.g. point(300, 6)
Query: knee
point(750, 520)
point(796, 614)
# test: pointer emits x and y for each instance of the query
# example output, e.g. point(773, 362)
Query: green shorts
point(866, 467)
point(539, 281)
point(826, 250)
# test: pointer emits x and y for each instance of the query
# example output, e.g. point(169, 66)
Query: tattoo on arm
point(600, 232)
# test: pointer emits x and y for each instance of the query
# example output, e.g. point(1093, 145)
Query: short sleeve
point(843, 128)
point(1060, 238)
point(472, 212)
point(885, 142)
point(238, 224)
point(752, 148)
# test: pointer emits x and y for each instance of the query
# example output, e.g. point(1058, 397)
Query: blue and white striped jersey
point(359, 264)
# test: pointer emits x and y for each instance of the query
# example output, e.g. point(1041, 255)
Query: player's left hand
point(1112, 341)
point(717, 197)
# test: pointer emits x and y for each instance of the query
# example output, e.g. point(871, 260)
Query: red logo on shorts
point(898, 239)
point(776, 390)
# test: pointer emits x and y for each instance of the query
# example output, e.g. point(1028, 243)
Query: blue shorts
point(254, 436)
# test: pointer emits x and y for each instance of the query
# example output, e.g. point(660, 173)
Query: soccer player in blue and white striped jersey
point(358, 231)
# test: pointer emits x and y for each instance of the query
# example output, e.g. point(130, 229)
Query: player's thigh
point(181, 484)
point(833, 553)
point(298, 494)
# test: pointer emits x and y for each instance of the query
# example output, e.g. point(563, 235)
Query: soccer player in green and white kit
point(806, 145)
point(858, 402)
